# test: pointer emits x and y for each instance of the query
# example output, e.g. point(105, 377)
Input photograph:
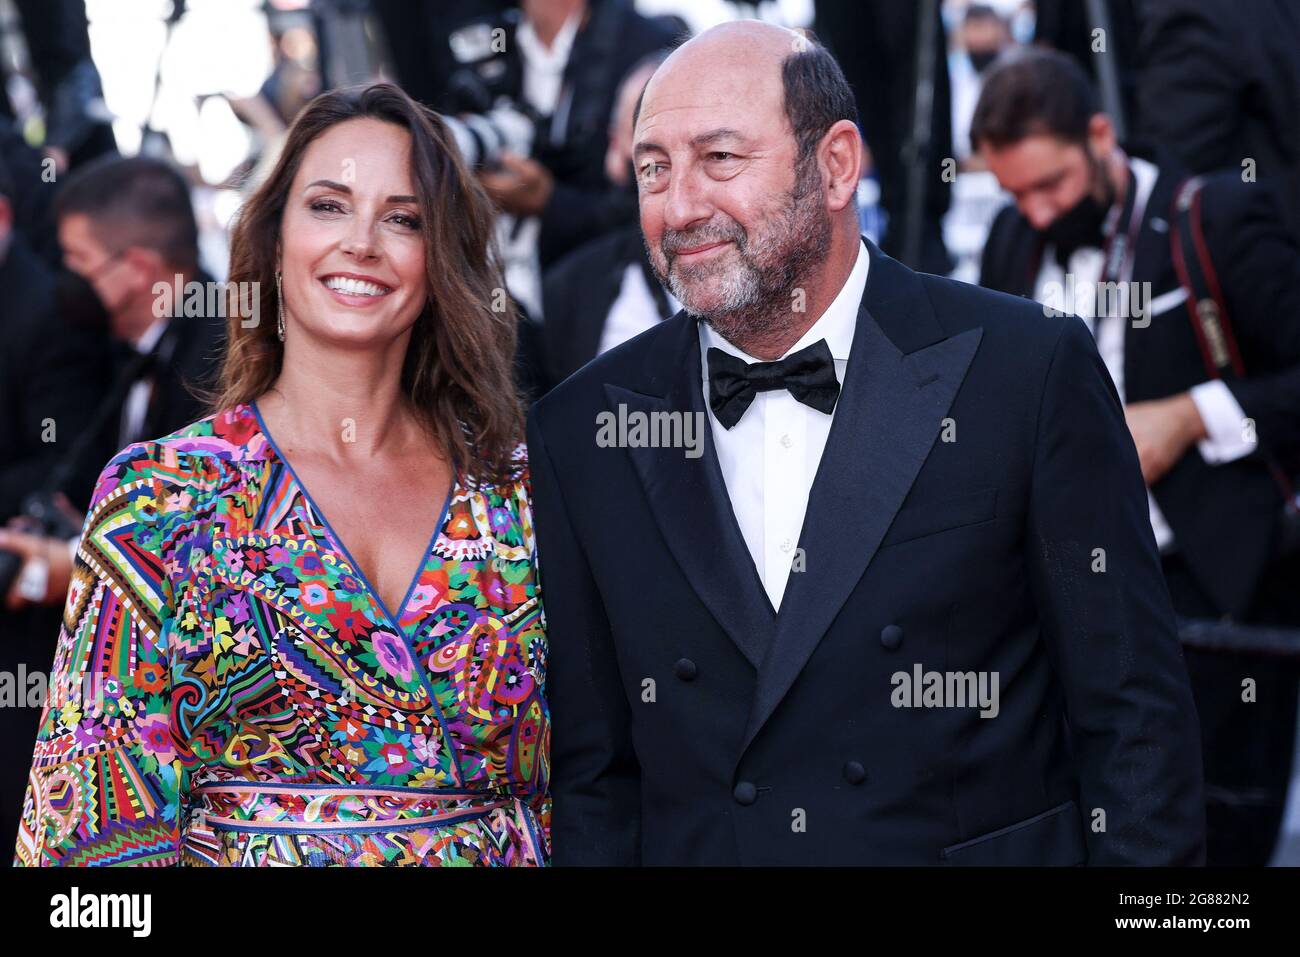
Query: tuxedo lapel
point(888, 417)
point(689, 500)
point(1152, 263)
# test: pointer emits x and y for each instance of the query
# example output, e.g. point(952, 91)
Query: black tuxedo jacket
point(188, 367)
point(1220, 82)
point(692, 725)
point(1224, 517)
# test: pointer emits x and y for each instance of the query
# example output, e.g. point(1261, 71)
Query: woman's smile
point(354, 290)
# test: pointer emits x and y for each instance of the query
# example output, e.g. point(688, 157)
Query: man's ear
point(841, 159)
point(146, 265)
point(1101, 135)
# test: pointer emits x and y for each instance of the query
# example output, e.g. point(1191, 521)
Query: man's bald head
point(737, 45)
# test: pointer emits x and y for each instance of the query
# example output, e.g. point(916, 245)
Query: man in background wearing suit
point(127, 230)
point(843, 564)
point(1086, 212)
point(605, 291)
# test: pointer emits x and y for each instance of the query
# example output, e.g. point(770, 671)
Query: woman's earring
point(279, 307)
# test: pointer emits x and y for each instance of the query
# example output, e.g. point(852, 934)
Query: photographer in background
point(558, 62)
point(1211, 434)
point(605, 291)
point(125, 225)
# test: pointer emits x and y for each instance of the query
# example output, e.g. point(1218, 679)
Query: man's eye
point(721, 156)
point(651, 170)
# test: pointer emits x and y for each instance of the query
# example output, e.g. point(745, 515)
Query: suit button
point(891, 636)
point(745, 793)
point(685, 669)
point(854, 772)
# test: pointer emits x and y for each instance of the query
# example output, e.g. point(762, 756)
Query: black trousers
point(1247, 745)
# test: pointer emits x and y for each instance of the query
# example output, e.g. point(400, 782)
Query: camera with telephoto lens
point(483, 137)
point(485, 125)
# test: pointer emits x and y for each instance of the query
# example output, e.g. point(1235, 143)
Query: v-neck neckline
point(394, 621)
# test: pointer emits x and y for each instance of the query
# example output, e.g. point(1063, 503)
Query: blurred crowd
point(1032, 147)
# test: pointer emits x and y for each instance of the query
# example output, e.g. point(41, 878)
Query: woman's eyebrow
point(340, 188)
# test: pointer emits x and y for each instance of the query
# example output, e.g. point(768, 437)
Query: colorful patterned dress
point(229, 690)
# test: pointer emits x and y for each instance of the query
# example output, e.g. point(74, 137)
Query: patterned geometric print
point(229, 690)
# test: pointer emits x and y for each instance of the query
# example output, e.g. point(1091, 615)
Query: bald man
point(843, 564)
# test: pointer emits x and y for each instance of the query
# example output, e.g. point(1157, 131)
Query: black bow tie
point(132, 365)
point(808, 374)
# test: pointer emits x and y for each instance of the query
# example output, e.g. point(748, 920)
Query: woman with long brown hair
point(307, 629)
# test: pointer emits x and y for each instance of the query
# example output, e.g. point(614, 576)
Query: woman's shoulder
point(233, 435)
point(191, 456)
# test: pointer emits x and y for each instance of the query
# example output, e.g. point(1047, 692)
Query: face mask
point(1081, 226)
point(78, 303)
point(980, 59)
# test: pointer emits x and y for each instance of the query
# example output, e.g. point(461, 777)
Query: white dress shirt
point(1226, 438)
point(543, 83)
point(634, 310)
point(770, 457)
point(543, 66)
point(136, 406)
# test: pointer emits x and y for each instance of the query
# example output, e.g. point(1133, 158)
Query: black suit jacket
point(1224, 517)
point(1220, 83)
point(50, 372)
point(692, 725)
point(578, 293)
point(192, 367)
point(876, 46)
point(188, 367)
point(185, 371)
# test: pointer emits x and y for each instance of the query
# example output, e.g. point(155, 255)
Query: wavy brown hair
point(458, 373)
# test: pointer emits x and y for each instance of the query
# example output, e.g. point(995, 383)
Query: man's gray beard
point(758, 295)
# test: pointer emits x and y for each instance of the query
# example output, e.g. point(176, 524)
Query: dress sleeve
point(108, 768)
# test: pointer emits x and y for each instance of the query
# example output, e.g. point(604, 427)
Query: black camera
point(44, 517)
